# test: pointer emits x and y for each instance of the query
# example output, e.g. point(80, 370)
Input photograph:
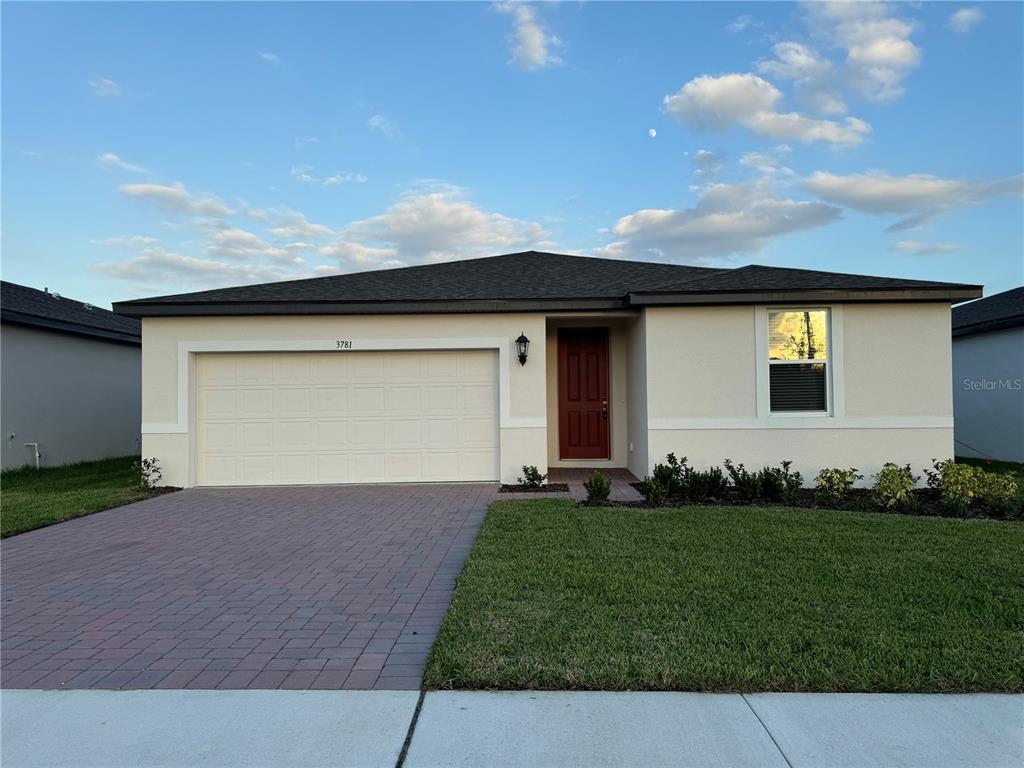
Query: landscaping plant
point(832, 484)
point(768, 483)
point(672, 476)
point(894, 486)
point(598, 487)
point(532, 477)
point(702, 485)
point(146, 473)
point(959, 485)
point(654, 493)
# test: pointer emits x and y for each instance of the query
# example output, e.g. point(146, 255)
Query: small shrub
point(532, 477)
point(960, 484)
point(996, 487)
point(672, 476)
point(768, 483)
point(706, 484)
point(598, 487)
point(654, 493)
point(745, 483)
point(146, 473)
point(832, 484)
point(894, 486)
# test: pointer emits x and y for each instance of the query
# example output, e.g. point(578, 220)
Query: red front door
point(583, 393)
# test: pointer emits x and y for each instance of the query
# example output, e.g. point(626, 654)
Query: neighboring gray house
point(70, 379)
point(988, 377)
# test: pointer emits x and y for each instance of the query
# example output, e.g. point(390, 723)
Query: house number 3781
point(343, 344)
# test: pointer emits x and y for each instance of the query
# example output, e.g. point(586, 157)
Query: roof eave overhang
point(166, 309)
point(77, 329)
point(953, 294)
point(1001, 324)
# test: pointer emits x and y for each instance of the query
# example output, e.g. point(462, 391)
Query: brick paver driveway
point(299, 587)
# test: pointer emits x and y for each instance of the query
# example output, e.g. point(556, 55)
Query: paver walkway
point(300, 587)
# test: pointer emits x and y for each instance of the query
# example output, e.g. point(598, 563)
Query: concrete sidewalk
point(370, 728)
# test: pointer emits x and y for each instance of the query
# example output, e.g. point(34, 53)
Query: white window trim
point(188, 349)
point(835, 395)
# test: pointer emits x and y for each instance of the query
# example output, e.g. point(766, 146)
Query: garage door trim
point(188, 349)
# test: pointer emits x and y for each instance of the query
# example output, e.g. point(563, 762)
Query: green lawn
point(32, 498)
point(556, 595)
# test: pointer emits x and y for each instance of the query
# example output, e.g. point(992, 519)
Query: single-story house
point(70, 379)
point(469, 370)
point(988, 377)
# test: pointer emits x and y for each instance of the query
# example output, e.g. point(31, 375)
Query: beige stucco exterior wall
point(636, 377)
point(522, 432)
point(683, 379)
point(891, 368)
point(618, 386)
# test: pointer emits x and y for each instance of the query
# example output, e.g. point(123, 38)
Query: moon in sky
point(652, 133)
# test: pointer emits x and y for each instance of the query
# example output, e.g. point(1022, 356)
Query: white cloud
point(273, 58)
point(811, 73)
point(303, 173)
point(768, 162)
point(292, 225)
point(964, 20)
point(110, 160)
point(301, 141)
point(917, 197)
point(741, 23)
point(177, 199)
point(924, 249)
point(728, 219)
point(105, 88)
point(156, 267)
point(793, 125)
point(129, 241)
point(241, 245)
point(716, 103)
point(707, 165)
point(533, 47)
point(879, 52)
point(385, 125)
point(344, 177)
point(432, 223)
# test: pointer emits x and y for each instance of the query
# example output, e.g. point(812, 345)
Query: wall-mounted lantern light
point(522, 347)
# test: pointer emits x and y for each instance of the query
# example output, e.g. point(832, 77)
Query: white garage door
point(346, 417)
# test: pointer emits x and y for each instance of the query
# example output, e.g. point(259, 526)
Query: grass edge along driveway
point(559, 596)
point(33, 498)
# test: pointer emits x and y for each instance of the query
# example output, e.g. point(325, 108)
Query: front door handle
point(604, 415)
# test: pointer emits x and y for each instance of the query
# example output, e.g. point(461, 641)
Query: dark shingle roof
point(511, 282)
point(28, 306)
point(1001, 310)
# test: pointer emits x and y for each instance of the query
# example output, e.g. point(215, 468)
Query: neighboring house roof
point(28, 306)
point(993, 313)
point(535, 281)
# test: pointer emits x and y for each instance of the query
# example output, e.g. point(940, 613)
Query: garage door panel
point(255, 436)
point(292, 436)
point(256, 402)
point(267, 418)
point(293, 401)
point(367, 401)
point(330, 401)
point(330, 435)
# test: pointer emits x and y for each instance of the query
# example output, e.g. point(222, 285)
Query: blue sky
point(158, 148)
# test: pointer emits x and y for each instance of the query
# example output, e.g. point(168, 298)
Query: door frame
point(605, 332)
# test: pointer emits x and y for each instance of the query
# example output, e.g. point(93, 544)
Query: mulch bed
point(519, 488)
point(926, 502)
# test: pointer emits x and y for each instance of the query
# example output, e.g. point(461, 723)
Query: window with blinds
point(798, 347)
